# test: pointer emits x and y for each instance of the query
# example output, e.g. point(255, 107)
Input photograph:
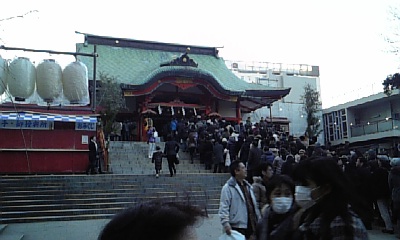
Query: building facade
point(174, 80)
point(287, 111)
point(369, 122)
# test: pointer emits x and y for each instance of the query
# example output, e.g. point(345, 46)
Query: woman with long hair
point(327, 199)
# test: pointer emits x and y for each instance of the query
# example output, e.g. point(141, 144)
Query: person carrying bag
point(171, 150)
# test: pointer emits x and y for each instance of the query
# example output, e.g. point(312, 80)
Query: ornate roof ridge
point(148, 45)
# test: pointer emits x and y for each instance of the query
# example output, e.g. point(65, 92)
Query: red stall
point(47, 115)
point(45, 142)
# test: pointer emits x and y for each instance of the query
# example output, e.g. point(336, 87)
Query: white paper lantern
point(21, 78)
point(3, 75)
point(49, 80)
point(75, 82)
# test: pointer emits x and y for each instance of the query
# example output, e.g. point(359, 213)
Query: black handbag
point(176, 161)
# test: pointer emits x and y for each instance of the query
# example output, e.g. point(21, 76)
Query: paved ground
point(210, 229)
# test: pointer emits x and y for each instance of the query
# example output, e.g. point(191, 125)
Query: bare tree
point(392, 81)
point(7, 19)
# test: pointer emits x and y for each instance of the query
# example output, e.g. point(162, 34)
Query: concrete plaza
point(209, 229)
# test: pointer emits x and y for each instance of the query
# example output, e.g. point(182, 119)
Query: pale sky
point(345, 38)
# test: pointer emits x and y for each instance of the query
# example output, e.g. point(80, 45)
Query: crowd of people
point(362, 193)
point(289, 188)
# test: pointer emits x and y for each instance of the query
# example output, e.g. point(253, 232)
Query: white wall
point(297, 83)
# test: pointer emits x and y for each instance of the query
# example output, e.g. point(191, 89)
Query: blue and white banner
point(26, 124)
point(23, 120)
point(43, 117)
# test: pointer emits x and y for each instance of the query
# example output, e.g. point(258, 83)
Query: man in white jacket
point(238, 207)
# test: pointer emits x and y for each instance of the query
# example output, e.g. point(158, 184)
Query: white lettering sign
point(26, 124)
point(85, 126)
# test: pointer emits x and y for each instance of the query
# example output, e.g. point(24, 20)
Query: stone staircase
point(33, 198)
point(132, 158)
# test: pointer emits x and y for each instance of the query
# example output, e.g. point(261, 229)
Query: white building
point(289, 110)
point(369, 122)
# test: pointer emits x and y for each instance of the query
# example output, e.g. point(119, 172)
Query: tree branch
point(19, 16)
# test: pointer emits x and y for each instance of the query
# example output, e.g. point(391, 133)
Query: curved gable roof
point(137, 64)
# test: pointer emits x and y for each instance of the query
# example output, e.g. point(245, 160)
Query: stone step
point(2, 227)
point(132, 157)
point(4, 235)
point(76, 198)
point(97, 203)
point(38, 204)
point(11, 236)
point(76, 214)
point(73, 197)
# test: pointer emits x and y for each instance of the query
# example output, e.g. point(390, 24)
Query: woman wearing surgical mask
point(277, 222)
point(326, 197)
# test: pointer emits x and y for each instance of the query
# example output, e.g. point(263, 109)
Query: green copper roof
point(135, 66)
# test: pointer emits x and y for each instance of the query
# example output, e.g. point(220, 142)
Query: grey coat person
point(232, 209)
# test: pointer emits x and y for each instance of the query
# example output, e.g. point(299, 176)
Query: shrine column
point(143, 119)
point(238, 111)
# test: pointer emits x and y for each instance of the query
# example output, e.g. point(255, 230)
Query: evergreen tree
point(110, 100)
point(311, 105)
point(390, 83)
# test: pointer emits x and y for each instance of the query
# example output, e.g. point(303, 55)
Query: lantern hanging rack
point(94, 55)
point(50, 51)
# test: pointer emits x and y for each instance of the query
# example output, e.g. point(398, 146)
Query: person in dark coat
point(208, 153)
point(254, 160)
point(157, 160)
point(170, 150)
point(92, 168)
point(244, 150)
point(327, 198)
point(394, 186)
point(278, 216)
point(218, 157)
point(380, 189)
point(288, 166)
point(362, 179)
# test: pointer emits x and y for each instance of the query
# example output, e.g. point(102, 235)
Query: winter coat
point(267, 157)
point(232, 209)
point(171, 148)
point(254, 158)
point(394, 183)
point(380, 184)
point(218, 153)
point(277, 164)
point(277, 226)
point(244, 151)
point(157, 159)
point(259, 192)
point(288, 166)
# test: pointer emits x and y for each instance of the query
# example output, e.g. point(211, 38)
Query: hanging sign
point(26, 124)
point(84, 126)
